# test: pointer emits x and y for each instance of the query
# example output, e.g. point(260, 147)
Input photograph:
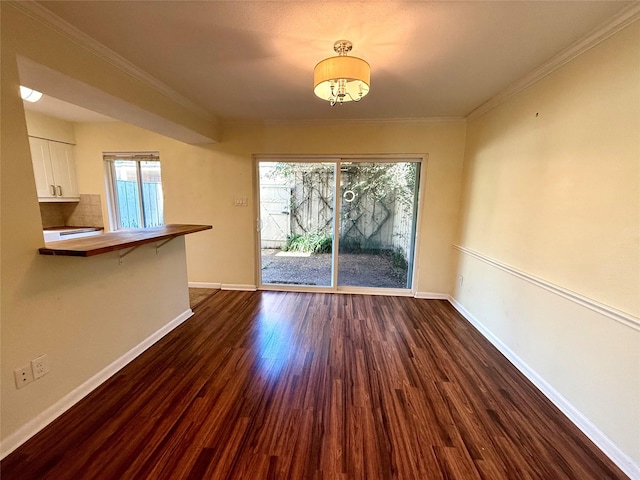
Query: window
point(134, 186)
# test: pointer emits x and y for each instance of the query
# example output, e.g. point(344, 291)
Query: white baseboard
point(234, 286)
point(431, 295)
point(28, 430)
point(216, 286)
point(388, 292)
point(224, 286)
point(604, 443)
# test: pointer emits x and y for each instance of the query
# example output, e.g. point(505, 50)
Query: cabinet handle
point(59, 191)
point(53, 190)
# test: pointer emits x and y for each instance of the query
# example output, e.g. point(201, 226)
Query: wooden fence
point(129, 204)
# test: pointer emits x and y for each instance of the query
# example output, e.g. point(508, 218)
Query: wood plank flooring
point(198, 295)
point(274, 385)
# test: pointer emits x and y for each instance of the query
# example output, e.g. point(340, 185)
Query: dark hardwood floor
point(199, 295)
point(270, 385)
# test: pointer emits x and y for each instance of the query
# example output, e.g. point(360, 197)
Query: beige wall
point(200, 184)
point(551, 189)
point(84, 313)
point(44, 126)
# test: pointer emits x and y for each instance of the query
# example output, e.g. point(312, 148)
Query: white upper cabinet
point(42, 169)
point(54, 169)
point(64, 169)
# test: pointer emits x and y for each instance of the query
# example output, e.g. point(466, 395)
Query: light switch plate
point(240, 201)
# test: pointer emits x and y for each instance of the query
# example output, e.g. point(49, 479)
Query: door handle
point(53, 190)
point(59, 191)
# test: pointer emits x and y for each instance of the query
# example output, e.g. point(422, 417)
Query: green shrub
point(318, 242)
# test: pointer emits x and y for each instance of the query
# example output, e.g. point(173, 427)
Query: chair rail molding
point(625, 318)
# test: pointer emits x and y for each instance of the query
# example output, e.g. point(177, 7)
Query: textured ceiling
point(253, 60)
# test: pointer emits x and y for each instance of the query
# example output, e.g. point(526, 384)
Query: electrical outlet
point(460, 280)
point(40, 366)
point(23, 376)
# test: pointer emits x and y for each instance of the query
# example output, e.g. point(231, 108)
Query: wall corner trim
point(47, 416)
point(604, 443)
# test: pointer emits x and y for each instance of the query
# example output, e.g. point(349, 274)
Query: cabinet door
point(42, 169)
point(64, 170)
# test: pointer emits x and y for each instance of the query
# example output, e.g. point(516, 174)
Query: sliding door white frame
point(421, 159)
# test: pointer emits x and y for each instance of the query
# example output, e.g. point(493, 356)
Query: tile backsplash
point(85, 213)
point(52, 214)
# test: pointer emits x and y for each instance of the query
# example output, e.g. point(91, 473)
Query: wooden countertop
point(120, 240)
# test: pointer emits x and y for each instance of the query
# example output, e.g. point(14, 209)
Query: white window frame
point(109, 159)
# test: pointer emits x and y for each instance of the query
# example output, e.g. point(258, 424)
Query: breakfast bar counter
point(119, 240)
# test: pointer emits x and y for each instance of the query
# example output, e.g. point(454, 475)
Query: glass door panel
point(296, 222)
point(378, 205)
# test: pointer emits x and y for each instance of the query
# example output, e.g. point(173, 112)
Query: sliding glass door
point(296, 222)
point(376, 225)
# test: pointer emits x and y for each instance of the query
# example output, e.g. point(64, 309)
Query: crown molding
point(346, 121)
point(64, 28)
point(612, 26)
point(372, 121)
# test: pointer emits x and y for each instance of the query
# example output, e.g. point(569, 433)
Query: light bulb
point(29, 94)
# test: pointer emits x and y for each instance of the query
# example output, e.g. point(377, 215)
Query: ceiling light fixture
point(341, 79)
point(29, 94)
